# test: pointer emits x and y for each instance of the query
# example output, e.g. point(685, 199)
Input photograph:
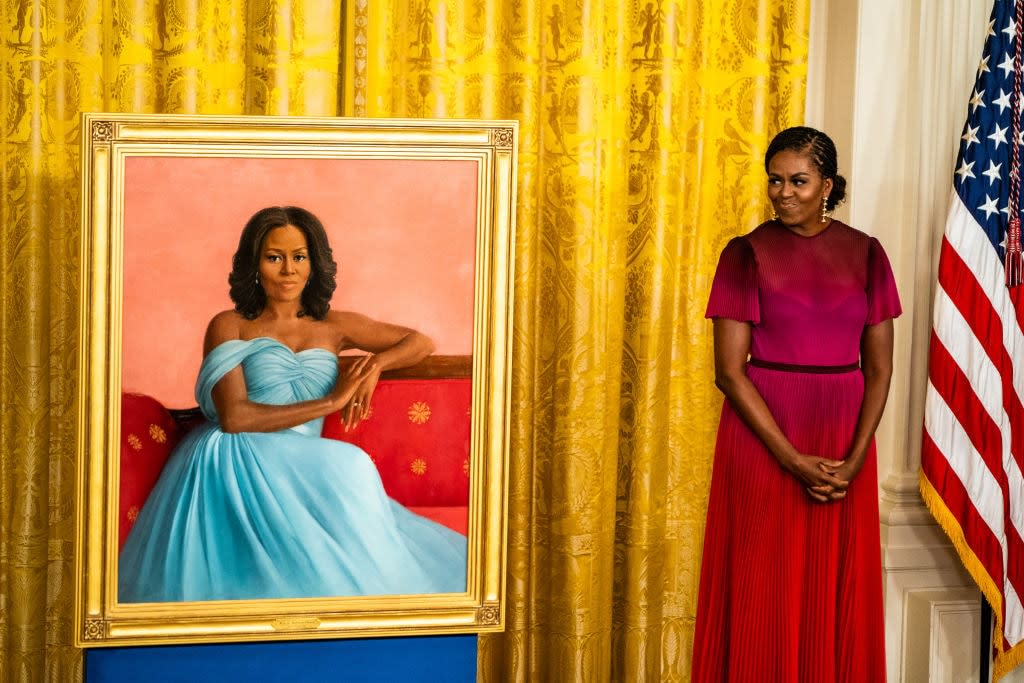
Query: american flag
point(973, 447)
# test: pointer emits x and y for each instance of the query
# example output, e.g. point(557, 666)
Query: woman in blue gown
point(254, 504)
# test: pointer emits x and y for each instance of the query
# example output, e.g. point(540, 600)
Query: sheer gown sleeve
point(734, 292)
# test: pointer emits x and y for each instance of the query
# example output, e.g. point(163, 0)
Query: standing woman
point(791, 586)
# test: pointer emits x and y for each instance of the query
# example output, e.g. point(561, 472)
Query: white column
point(890, 80)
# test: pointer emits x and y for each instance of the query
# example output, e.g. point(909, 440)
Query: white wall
point(890, 80)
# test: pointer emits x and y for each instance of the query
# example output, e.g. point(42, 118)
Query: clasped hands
point(354, 389)
point(825, 480)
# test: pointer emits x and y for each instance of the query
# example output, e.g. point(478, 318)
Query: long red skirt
point(791, 589)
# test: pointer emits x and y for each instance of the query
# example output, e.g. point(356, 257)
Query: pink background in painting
point(402, 232)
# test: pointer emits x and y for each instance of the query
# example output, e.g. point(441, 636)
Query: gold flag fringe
point(1005, 661)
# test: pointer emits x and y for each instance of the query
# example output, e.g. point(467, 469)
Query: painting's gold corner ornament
point(95, 629)
point(502, 138)
point(489, 614)
point(102, 131)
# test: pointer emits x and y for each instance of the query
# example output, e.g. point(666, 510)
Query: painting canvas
point(420, 217)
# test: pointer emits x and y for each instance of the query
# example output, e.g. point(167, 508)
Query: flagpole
point(986, 640)
point(1014, 265)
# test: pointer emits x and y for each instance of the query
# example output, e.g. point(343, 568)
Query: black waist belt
point(811, 369)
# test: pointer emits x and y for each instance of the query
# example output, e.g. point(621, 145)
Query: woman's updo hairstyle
point(822, 151)
point(246, 290)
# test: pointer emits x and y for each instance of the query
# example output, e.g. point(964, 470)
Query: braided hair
point(822, 152)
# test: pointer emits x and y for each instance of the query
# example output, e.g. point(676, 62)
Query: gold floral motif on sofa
point(419, 412)
point(157, 433)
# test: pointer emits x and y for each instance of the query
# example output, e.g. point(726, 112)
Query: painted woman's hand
point(349, 381)
point(358, 406)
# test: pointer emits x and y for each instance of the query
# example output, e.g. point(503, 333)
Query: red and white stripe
point(973, 451)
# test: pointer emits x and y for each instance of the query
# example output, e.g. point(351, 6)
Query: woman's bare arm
point(238, 414)
point(393, 347)
point(876, 361)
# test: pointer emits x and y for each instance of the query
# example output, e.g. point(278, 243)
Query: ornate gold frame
point(107, 140)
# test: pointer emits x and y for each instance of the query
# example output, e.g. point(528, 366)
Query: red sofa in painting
point(148, 435)
point(417, 433)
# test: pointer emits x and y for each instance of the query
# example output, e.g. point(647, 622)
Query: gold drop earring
point(824, 209)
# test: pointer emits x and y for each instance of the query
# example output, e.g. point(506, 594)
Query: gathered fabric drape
point(643, 128)
point(57, 59)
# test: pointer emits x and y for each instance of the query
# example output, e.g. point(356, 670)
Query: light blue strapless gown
point(278, 515)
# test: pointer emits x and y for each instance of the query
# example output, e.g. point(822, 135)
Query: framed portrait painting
point(386, 519)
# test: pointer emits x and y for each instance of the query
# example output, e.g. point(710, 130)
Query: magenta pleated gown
point(791, 589)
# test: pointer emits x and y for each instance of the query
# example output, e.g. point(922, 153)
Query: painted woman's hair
point(246, 291)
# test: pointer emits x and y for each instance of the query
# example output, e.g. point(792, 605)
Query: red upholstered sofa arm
point(417, 433)
point(148, 435)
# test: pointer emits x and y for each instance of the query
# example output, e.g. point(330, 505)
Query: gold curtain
point(57, 59)
point(642, 130)
point(643, 127)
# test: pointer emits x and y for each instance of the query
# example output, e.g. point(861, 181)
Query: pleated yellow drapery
point(58, 58)
point(643, 127)
point(642, 130)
